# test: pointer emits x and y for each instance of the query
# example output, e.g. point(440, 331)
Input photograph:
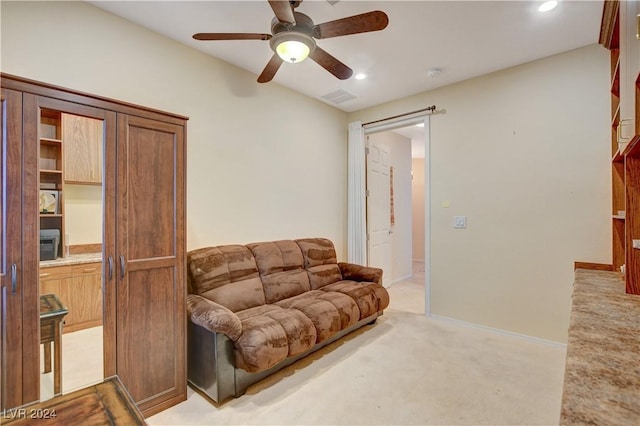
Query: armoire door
point(18, 253)
point(150, 262)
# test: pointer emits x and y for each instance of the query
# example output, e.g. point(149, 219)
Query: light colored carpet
point(406, 369)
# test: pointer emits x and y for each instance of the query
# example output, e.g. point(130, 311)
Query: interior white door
point(379, 209)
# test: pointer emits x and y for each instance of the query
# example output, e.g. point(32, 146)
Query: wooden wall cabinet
point(82, 139)
point(144, 254)
point(79, 288)
point(151, 261)
point(618, 33)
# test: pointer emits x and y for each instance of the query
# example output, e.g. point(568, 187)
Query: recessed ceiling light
point(547, 6)
point(360, 76)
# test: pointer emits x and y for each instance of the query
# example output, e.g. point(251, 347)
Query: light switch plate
point(459, 222)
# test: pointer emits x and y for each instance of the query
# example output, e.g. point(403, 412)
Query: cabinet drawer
point(55, 273)
point(86, 269)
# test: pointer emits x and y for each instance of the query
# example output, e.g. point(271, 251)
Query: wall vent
point(338, 96)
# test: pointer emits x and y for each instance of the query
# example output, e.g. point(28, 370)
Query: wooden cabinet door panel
point(151, 285)
point(82, 140)
point(11, 330)
point(86, 297)
point(18, 248)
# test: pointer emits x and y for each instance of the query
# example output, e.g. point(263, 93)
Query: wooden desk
point(51, 314)
point(107, 403)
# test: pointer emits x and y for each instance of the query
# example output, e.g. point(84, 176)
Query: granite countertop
point(602, 373)
point(74, 259)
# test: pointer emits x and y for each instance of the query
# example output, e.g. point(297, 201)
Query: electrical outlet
point(459, 222)
point(636, 244)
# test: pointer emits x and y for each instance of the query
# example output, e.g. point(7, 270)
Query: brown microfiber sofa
point(256, 308)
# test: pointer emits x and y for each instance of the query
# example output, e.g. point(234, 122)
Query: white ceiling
point(464, 38)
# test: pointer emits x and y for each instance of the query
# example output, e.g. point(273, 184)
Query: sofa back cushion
point(320, 261)
point(281, 267)
point(227, 275)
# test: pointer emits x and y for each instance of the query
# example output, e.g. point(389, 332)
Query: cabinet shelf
point(618, 217)
point(615, 81)
point(617, 157)
point(51, 172)
point(50, 141)
point(43, 215)
point(615, 116)
point(615, 110)
point(632, 148)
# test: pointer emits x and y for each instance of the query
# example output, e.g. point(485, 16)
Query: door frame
point(405, 121)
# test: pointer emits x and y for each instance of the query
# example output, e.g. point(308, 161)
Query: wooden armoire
point(143, 255)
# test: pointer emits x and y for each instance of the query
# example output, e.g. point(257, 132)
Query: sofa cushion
point(322, 275)
point(370, 297)
point(317, 251)
point(227, 275)
point(326, 317)
point(281, 269)
point(346, 306)
point(277, 256)
point(300, 331)
point(320, 261)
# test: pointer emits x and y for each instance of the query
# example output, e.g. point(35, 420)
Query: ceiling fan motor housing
point(300, 32)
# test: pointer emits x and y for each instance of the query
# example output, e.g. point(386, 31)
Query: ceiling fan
point(293, 37)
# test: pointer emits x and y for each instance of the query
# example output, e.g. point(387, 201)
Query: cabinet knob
point(89, 270)
point(44, 274)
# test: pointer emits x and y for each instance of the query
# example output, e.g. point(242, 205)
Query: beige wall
point(83, 214)
point(263, 162)
point(418, 207)
point(524, 154)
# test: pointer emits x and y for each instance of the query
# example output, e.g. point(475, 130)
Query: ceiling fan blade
point(283, 11)
point(331, 64)
point(270, 70)
point(363, 23)
point(231, 36)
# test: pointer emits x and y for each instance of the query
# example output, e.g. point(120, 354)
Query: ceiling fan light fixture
point(292, 47)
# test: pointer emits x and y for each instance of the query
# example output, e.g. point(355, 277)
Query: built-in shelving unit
point(51, 175)
point(619, 26)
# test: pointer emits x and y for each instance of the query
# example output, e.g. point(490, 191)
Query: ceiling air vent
point(338, 96)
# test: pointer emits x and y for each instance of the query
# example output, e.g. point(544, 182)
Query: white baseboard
point(499, 331)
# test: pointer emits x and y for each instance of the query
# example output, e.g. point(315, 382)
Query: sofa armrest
point(351, 271)
point(213, 316)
